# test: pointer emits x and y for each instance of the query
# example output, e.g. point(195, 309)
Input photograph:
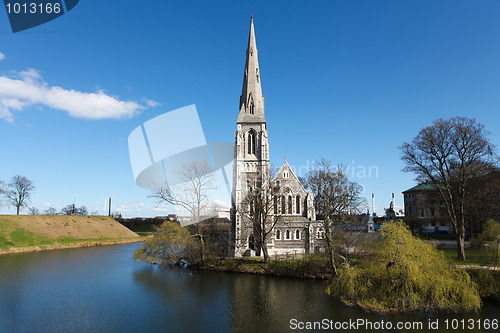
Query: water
point(103, 290)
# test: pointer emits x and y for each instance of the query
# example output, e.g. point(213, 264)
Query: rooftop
point(424, 187)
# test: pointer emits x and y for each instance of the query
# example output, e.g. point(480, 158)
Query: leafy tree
point(405, 274)
point(450, 153)
point(168, 247)
point(337, 201)
point(489, 241)
point(19, 191)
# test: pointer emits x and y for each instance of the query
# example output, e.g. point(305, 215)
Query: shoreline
point(83, 244)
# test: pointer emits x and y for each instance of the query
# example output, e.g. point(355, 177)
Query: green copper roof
point(424, 187)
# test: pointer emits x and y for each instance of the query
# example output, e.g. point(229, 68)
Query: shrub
point(168, 247)
point(406, 274)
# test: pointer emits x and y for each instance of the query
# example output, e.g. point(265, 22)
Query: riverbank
point(86, 243)
point(311, 267)
point(29, 233)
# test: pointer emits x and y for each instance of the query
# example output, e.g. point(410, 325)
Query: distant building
point(425, 210)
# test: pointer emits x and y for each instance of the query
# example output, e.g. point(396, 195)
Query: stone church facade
point(293, 229)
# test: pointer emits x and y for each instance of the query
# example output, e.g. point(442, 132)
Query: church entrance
point(253, 246)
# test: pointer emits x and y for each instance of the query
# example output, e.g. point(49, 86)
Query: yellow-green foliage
point(489, 241)
point(406, 274)
point(168, 247)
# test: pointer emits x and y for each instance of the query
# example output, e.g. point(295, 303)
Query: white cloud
point(2, 56)
point(26, 88)
point(151, 103)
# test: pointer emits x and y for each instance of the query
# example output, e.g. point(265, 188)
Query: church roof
point(286, 167)
point(251, 99)
point(424, 187)
point(285, 218)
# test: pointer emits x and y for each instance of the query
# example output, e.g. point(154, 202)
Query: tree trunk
point(461, 242)
point(18, 209)
point(202, 249)
point(202, 244)
point(329, 244)
point(267, 259)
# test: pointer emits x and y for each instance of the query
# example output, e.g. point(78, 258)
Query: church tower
point(251, 149)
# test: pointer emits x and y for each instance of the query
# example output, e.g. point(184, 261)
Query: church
point(290, 227)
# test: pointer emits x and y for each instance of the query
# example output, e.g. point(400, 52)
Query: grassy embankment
point(314, 266)
point(43, 232)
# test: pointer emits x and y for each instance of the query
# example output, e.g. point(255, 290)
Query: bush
point(488, 282)
point(488, 240)
point(406, 274)
point(169, 247)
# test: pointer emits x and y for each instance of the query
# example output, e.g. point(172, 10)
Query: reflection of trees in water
point(190, 303)
point(235, 302)
point(228, 302)
point(268, 303)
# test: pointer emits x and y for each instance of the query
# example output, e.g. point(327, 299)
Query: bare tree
point(73, 210)
point(483, 201)
point(19, 191)
point(33, 211)
point(450, 153)
point(2, 191)
point(191, 195)
point(337, 200)
point(51, 211)
point(258, 208)
point(68, 210)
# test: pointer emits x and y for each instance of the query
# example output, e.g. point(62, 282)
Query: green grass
point(315, 266)
point(5, 243)
point(473, 256)
point(21, 237)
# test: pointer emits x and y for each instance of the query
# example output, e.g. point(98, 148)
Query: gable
point(287, 178)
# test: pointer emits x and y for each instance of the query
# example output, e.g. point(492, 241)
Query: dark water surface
point(102, 289)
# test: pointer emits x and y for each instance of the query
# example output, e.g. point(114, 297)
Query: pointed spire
point(251, 99)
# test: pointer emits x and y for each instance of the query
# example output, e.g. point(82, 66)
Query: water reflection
point(104, 290)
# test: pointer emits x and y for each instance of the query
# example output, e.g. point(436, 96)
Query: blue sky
point(349, 81)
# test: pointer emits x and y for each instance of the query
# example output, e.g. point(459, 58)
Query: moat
point(103, 289)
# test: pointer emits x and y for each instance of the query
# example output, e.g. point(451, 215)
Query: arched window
point(297, 205)
point(251, 142)
point(252, 108)
point(278, 234)
point(297, 234)
point(290, 211)
point(251, 242)
point(275, 205)
point(288, 234)
point(257, 73)
point(283, 205)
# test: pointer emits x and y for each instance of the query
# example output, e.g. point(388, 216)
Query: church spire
point(251, 99)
